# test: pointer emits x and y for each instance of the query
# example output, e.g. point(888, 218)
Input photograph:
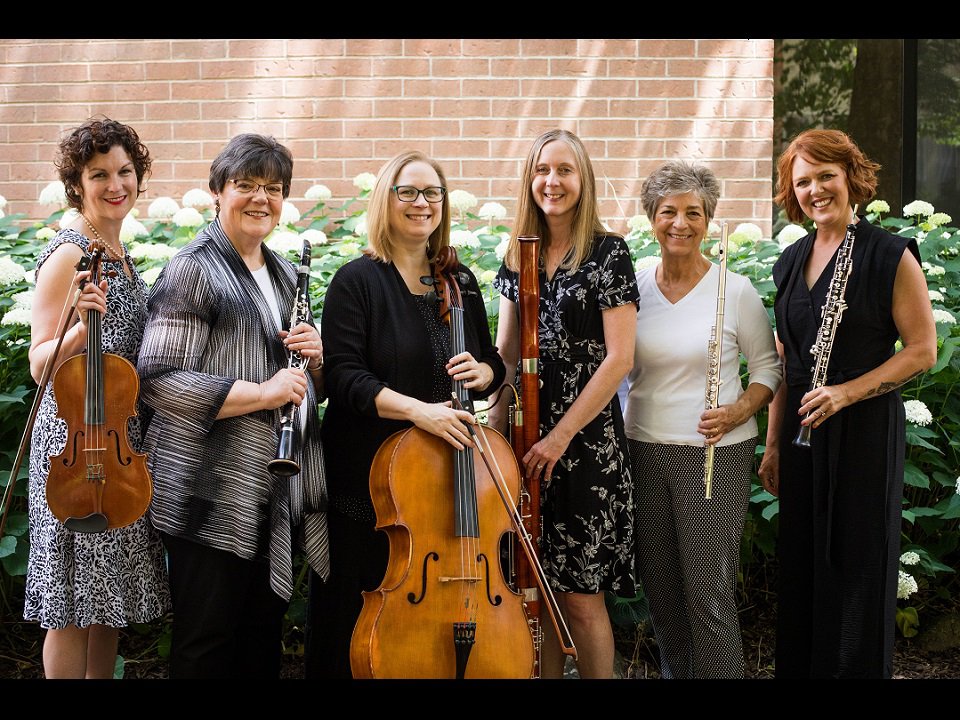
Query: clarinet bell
point(284, 465)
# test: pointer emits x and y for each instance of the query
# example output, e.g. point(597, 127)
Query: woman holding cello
point(83, 586)
point(389, 367)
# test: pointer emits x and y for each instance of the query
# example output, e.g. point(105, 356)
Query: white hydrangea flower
point(946, 236)
point(462, 200)
point(23, 300)
point(11, 272)
point(906, 585)
point(188, 217)
point(958, 486)
point(314, 236)
point(487, 277)
point(2, 213)
point(150, 276)
point(132, 228)
point(501, 250)
point(878, 206)
point(69, 215)
point(942, 316)
point(284, 242)
point(318, 193)
point(790, 234)
point(361, 227)
point(917, 412)
point(197, 198)
point(289, 215)
point(492, 211)
point(938, 219)
point(53, 194)
point(348, 248)
point(163, 208)
point(750, 231)
point(464, 238)
point(31, 276)
point(713, 229)
point(17, 316)
point(3, 202)
point(918, 207)
point(935, 295)
point(646, 262)
point(933, 270)
point(365, 181)
point(45, 233)
point(910, 558)
point(152, 251)
point(920, 236)
point(639, 223)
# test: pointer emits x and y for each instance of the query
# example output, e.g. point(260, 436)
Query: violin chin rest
point(94, 522)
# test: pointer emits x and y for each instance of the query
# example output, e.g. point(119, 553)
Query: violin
point(97, 482)
point(444, 609)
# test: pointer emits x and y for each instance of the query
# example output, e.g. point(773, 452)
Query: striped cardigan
point(208, 326)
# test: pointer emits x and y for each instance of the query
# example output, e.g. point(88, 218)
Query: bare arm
point(508, 343)
point(770, 463)
point(436, 418)
point(619, 332)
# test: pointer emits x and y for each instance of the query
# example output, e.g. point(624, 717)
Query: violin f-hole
point(72, 460)
point(116, 440)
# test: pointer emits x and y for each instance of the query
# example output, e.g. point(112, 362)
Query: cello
point(444, 609)
point(97, 482)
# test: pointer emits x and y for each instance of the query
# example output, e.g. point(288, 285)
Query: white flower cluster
point(348, 248)
point(361, 227)
point(933, 270)
point(21, 312)
point(647, 261)
point(53, 194)
point(187, 217)
point(487, 277)
point(132, 228)
point(464, 238)
point(910, 558)
point(492, 211)
point(958, 486)
point(917, 412)
point(906, 585)
point(314, 236)
point(938, 219)
point(462, 200)
point(639, 223)
point(751, 232)
point(289, 215)
point(318, 193)
point(152, 251)
point(935, 295)
point(501, 250)
point(11, 271)
point(878, 206)
point(3, 202)
point(197, 198)
point(918, 207)
point(942, 316)
point(790, 234)
point(163, 208)
point(150, 275)
point(69, 215)
point(45, 233)
point(365, 181)
point(284, 242)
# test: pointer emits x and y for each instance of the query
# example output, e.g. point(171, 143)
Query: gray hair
point(250, 155)
point(677, 177)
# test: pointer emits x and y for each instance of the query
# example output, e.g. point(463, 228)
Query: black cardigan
point(374, 337)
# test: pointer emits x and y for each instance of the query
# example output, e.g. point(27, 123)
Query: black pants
point(358, 560)
point(227, 621)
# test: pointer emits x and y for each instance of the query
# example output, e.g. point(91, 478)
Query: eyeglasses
point(248, 187)
point(408, 193)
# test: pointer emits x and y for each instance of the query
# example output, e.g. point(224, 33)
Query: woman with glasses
point(215, 370)
point(388, 368)
point(588, 312)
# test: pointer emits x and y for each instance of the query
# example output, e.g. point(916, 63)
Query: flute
point(714, 351)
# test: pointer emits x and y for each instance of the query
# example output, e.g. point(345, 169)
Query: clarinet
point(286, 462)
point(830, 314)
point(714, 351)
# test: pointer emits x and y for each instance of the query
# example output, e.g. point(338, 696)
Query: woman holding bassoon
point(587, 319)
point(835, 444)
point(216, 369)
point(692, 442)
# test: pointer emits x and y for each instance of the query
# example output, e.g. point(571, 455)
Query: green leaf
point(908, 621)
point(118, 668)
point(915, 477)
point(8, 545)
point(770, 510)
point(944, 355)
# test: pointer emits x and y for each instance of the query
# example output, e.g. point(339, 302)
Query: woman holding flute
point(688, 546)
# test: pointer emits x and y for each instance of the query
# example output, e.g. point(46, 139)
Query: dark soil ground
point(933, 654)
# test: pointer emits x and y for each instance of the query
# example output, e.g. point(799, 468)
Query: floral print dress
point(116, 577)
point(587, 505)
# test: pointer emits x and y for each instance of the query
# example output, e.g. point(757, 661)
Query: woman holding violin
point(587, 323)
point(83, 586)
point(389, 367)
point(215, 369)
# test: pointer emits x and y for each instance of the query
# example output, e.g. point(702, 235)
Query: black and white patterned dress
point(587, 505)
point(116, 577)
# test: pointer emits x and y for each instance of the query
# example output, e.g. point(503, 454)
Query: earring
point(216, 204)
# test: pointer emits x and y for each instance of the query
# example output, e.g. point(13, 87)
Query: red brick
point(635, 147)
point(180, 70)
point(143, 50)
point(606, 48)
point(528, 107)
point(336, 108)
point(431, 128)
point(701, 67)
point(752, 68)
point(256, 48)
point(281, 67)
point(247, 88)
point(358, 46)
point(665, 128)
point(577, 67)
point(32, 51)
point(90, 51)
point(39, 94)
point(748, 107)
point(613, 167)
point(383, 149)
point(372, 87)
point(639, 68)
point(145, 92)
point(316, 48)
point(519, 67)
point(666, 48)
point(491, 88)
point(726, 88)
point(592, 127)
point(549, 47)
point(184, 131)
point(466, 107)
point(489, 168)
point(578, 107)
point(402, 107)
point(724, 48)
point(117, 72)
point(548, 87)
point(458, 67)
point(59, 73)
point(30, 171)
point(371, 128)
point(342, 67)
point(228, 110)
point(16, 74)
point(430, 88)
point(458, 148)
point(432, 47)
point(746, 188)
point(312, 87)
point(402, 66)
point(499, 47)
point(639, 108)
point(198, 49)
point(692, 147)
point(345, 148)
point(316, 128)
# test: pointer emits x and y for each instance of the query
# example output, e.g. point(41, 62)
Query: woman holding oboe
point(688, 545)
point(215, 367)
point(840, 496)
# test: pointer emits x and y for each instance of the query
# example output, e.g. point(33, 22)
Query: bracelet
point(318, 367)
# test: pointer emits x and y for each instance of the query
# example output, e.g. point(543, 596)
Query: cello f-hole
point(411, 597)
point(494, 600)
point(72, 460)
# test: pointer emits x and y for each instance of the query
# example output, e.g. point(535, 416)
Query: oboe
point(830, 314)
point(714, 351)
point(286, 462)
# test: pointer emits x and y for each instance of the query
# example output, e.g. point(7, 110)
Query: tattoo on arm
point(886, 387)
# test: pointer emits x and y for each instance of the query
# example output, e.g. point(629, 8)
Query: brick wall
point(343, 106)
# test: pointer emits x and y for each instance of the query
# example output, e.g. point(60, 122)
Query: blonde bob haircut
point(530, 219)
point(378, 209)
point(825, 146)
